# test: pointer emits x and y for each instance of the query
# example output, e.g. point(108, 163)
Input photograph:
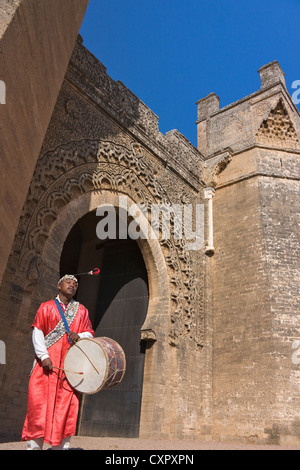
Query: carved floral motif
point(83, 166)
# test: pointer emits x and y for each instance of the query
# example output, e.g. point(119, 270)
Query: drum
point(95, 364)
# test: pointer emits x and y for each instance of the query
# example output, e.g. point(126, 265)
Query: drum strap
point(63, 318)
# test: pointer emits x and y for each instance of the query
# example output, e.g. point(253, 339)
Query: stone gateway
point(208, 316)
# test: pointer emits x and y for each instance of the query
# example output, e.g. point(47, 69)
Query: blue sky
point(171, 53)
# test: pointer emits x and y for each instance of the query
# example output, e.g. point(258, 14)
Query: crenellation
point(114, 94)
point(207, 106)
point(271, 74)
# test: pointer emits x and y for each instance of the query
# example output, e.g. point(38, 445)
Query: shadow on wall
point(279, 434)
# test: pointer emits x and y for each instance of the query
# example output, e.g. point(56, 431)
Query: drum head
point(89, 357)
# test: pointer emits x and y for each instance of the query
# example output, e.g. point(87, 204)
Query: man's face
point(68, 287)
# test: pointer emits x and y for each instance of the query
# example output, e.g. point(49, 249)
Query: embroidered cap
point(68, 276)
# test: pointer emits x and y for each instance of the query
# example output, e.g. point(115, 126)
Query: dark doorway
point(117, 301)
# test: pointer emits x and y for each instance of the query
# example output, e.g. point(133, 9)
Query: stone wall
point(37, 39)
point(254, 273)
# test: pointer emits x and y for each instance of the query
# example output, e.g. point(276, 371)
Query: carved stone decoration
point(148, 335)
point(278, 129)
point(215, 166)
point(72, 108)
point(84, 166)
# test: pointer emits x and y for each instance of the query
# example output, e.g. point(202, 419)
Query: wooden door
point(120, 313)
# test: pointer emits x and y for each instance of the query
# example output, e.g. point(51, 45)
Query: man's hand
point(74, 337)
point(47, 364)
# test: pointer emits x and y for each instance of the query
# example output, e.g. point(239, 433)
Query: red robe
point(52, 408)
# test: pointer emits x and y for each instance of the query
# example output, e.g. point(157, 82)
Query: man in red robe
point(52, 408)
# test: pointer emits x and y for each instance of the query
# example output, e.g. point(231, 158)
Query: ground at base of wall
point(118, 444)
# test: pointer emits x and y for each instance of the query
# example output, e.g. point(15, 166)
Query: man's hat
point(67, 276)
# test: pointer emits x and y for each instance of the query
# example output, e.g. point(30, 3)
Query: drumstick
point(93, 272)
point(65, 370)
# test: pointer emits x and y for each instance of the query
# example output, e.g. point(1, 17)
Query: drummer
point(52, 407)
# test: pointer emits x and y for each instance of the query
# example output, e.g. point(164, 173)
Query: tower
point(251, 150)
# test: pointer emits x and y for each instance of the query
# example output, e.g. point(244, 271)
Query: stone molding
point(87, 166)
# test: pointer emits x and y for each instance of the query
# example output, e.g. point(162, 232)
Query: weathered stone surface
point(37, 39)
point(252, 151)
